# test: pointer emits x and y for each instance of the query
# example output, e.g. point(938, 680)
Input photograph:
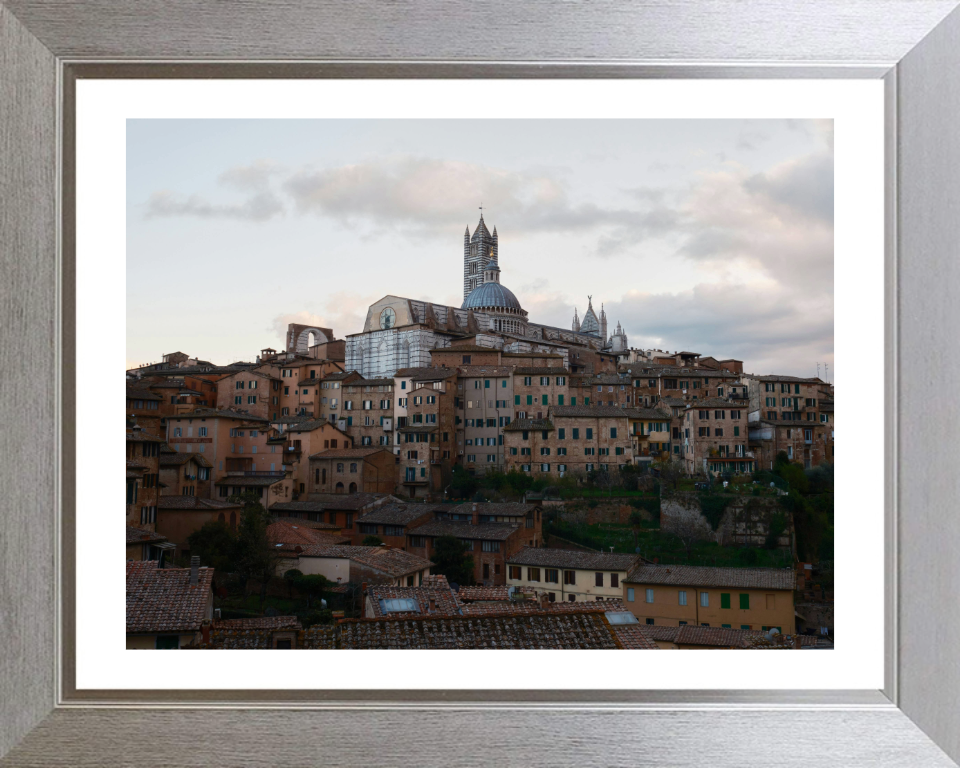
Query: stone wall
point(745, 521)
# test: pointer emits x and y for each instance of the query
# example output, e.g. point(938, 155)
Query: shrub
point(713, 507)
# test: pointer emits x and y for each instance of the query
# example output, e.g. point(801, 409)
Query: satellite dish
point(637, 550)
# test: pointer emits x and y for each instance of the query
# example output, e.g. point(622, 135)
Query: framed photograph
point(760, 198)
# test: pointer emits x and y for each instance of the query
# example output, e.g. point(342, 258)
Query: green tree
point(312, 585)
point(795, 475)
point(372, 541)
point(636, 523)
point(215, 545)
point(451, 559)
point(256, 558)
point(462, 484)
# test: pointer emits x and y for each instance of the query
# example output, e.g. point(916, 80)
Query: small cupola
point(491, 272)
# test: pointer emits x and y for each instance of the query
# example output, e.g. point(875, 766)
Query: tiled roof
point(141, 394)
point(348, 453)
point(163, 600)
point(599, 378)
point(135, 465)
point(663, 634)
point(528, 425)
point(717, 402)
point(647, 413)
point(632, 637)
point(444, 601)
point(535, 354)
point(790, 379)
point(479, 371)
point(418, 429)
point(261, 622)
point(338, 376)
point(534, 631)
point(179, 459)
point(570, 559)
point(218, 413)
point(717, 637)
point(592, 605)
point(471, 594)
point(464, 530)
point(508, 509)
point(591, 411)
point(541, 370)
point(298, 506)
point(193, 502)
point(503, 607)
point(350, 502)
point(426, 374)
point(398, 514)
point(286, 535)
point(704, 576)
point(393, 562)
point(313, 524)
point(136, 436)
point(309, 426)
point(318, 637)
point(250, 482)
point(140, 536)
point(465, 348)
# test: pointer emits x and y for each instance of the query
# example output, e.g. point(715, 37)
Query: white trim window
point(649, 596)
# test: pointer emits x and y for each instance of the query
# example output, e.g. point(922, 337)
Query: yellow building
point(737, 598)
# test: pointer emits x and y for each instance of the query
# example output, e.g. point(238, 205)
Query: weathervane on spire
point(481, 209)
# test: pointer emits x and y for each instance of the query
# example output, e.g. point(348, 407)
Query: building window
point(491, 546)
point(551, 576)
point(630, 595)
point(705, 599)
point(515, 572)
point(598, 579)
point(569, 577)
point(744, 601)
point(533, 574)
point(682, 596)
point(614, 580)
point(724, 599)
point(649, 595)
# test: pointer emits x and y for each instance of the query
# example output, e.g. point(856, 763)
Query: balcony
point(253, 473)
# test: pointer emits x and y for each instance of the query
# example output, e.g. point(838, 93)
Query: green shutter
point(736, 431)
point(529, 399)
point(573, 401)
point(586, 401)
point(486, 383)
point(725, 600)
point(545, 399)
point(744, 601)
point(726, 626)
point(559, 399)
point(516, 399)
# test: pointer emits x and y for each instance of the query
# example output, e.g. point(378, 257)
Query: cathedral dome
point(492, 295)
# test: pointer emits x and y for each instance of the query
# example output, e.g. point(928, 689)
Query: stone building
point(368, 409)
point(353, 470)
point(143, 478)
point(426, 433)
point(485, 405)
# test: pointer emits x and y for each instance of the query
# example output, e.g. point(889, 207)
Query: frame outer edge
point(929, 274)
point(28, 312)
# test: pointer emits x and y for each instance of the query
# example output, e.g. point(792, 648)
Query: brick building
point(715, 438)
point(180, 516)
point(231, 440)
point(390, 523)
point(426, 434)
point(485, 404)
point(353, 470)
point(301, 440)
point(251, 391)
point(185, 474)
point(143, 478)
point(368, 411)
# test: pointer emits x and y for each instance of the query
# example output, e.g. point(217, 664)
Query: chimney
point(476, 516)
point(433, 605)
point(205, 632)
point(544, 599)
point(194, 570)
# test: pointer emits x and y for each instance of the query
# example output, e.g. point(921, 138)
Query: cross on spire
point(481, 209)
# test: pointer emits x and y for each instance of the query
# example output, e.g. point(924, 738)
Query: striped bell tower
point(478, 250)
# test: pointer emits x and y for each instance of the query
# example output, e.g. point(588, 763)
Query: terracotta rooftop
point(528, 425)
point(465, 530)
point(472, 594)
point(587, 630)
point(392, 562)
point(647, 413)
point(350, 502)
point(218, 413)
point(139, 436)
point(506, 509)
point(571, 559)
point(140, 536)
point(163, 600)
point(398, 514)
point(176, 459)
point(541, 370)
point(193, 502)
point(589, 411)
point(285, 534)
point(141, 394)
point(251, 482)
point(444, 601)
point(260, 622)
point(479, 371)
point(348, 453)
point(704, 576)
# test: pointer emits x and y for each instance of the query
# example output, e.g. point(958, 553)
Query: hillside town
point(464, 477)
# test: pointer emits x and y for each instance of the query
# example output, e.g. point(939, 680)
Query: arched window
point(233, 520)
point(405, 355)
point(339, 488)
point(353, 487)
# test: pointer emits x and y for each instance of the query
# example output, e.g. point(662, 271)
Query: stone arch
point(339, 488)
point(353, 487)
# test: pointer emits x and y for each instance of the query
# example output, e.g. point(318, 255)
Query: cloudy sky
point(714, 236)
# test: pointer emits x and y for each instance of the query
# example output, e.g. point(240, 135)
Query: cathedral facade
point(400, 332)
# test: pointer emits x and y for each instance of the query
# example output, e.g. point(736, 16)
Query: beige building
point(364, 565)
point(353, 470)
point(569, 576)
point(738, 598)
point(715, 438)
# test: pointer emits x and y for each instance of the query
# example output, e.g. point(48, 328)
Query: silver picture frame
point(45, 47)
